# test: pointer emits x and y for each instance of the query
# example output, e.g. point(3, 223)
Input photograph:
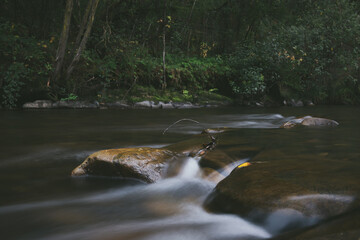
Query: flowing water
point(39, 149)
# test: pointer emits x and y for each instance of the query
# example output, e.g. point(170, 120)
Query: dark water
point(38, 150)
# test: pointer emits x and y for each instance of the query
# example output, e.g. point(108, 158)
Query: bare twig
point(181, 120)
point(213, 139)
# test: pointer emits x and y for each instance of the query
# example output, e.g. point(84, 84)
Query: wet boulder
point(287, 193)
point(143, 163)
point(146, 164)
point(310, 122)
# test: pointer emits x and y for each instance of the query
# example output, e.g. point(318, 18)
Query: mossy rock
point(314, 188)
point(146, 164)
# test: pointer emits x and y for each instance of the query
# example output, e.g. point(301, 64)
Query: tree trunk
point(83, 22)
point(189, 18)
point(84, 38)
point(60, 54)
point(164, 47)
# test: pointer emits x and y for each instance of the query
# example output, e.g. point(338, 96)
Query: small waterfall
point(190, 168)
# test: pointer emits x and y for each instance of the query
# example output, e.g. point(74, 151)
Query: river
point(39, 149)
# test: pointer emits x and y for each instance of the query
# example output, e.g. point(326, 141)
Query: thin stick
point(184, 119)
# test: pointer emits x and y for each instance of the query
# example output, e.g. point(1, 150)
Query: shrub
point(24, 67)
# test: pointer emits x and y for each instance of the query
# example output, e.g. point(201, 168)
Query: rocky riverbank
point(148, 104)
point(47, 104)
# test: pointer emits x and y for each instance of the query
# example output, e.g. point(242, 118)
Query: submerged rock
point(291, 193)
point(345, 226)
point(310, 121)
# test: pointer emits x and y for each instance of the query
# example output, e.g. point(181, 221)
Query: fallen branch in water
point(208, 146)
point(181, 120)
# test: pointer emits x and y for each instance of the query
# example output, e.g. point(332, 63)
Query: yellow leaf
point(245, 164)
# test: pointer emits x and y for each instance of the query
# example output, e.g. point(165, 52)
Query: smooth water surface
point(39, 149)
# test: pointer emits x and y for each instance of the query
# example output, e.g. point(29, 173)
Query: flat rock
point(293, 192)
point(146, 164)
point(310, 122)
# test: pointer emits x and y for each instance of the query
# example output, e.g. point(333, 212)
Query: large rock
point(288, 193)
point(310, 122)
point(146, 164)
point(38, 104)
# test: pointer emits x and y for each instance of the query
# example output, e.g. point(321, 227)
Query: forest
point(180, 50)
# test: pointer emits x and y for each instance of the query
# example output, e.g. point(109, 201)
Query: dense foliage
point(248, 50)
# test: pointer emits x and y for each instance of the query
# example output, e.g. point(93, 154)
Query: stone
point(192, 146)
point(294, 103)
point(155, 105)
point(214, 130)
point(309, 103)
point(310, 122)
point(118, 105)
point(186, 105)
point(38, 104)
point(146, 164)
point(166, 105)
point(216, 159)
point(288, 190)
point(319, 122)
point(76, 105)
point(144, 104)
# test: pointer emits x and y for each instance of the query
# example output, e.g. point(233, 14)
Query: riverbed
point(39, 148)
